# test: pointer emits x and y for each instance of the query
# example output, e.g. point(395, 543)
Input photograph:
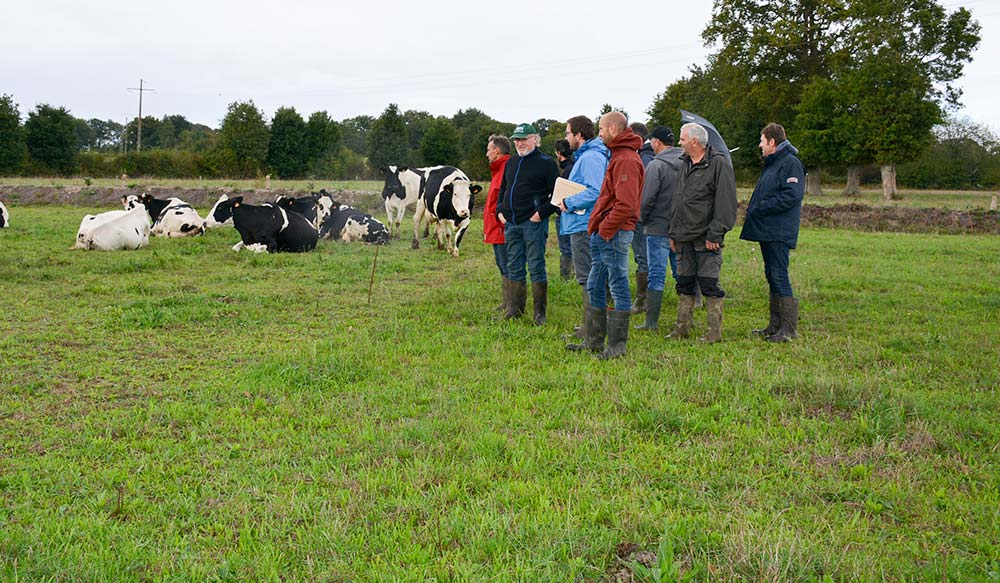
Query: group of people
point(670, 205)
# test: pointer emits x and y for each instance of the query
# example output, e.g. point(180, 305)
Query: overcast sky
point(516, 60)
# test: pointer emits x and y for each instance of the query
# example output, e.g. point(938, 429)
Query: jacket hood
point(499, 162)
point(784, 148)
point(626, 139)
point(595, 144)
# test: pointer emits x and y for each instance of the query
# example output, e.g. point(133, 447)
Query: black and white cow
point(345, 223)
point(305, 206)
point(269, 227)
point(114, 230)
point(403, 187)
point(4, 216)
point(171, 217)
point(221, 215)
point(448, 198)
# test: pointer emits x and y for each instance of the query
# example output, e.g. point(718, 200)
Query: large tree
point(13, 152)
point(245, 133)
point(288, 149)
point(440, 145)
point(50, 135)
point(323, 136)
point(355, 133)
point(388, 141)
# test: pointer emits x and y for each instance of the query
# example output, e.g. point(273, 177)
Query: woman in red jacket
point(497, 152)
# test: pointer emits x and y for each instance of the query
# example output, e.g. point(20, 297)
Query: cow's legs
point(418, 214)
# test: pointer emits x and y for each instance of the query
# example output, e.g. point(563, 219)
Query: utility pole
point(138, 142)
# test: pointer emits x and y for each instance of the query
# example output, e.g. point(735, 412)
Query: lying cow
point(448, 199)
point(4, 217)
point(268, 227)
point(114, 230)
point(171, 217)
point(402, 188)
point(221, 214)
point(304, 205)
point(339, 221)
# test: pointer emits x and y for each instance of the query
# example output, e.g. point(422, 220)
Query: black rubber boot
point(775, 323)
point(597, 328)
point(789, 321)
point(504, 294)
point(540, 297)
point(617, 334)
point(654, 301)
point(580, 333)
point(566, 266)
point(641, 286)
point(518, 298)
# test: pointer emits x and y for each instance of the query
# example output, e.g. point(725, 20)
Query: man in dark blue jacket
point(523, 210)
point(773, 220)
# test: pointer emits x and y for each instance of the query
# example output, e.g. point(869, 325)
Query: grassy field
point(949, 199)
point(187, 413)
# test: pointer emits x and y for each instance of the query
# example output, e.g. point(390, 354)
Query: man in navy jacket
point(773, 220)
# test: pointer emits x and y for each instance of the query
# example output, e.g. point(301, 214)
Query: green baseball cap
point(523, 130)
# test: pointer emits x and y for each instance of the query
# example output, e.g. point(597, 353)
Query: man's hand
point(536, 218)
point(710, 246)
point(562, 206)
point(503, 221)
point(672, 246)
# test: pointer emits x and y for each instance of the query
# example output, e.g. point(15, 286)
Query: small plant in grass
point(87, 181)
point(667, 566)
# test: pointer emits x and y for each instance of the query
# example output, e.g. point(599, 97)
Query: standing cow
point(448, 198)
point(114, 230)
point(4, 217)
point(171, 217)
point(403, 187)
point(346, 223)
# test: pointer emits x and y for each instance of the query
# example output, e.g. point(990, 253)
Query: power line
point(138, 142)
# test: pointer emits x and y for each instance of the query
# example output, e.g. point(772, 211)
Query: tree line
point(857, 84)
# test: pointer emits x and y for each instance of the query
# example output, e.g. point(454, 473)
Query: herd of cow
point(443, 195)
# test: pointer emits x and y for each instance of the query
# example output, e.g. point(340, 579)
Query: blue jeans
point(500, 256)
point(639, 249)
point(659, 254)
point(775, 254)
point(609, 266)
point(565, 246)
point(526, 245)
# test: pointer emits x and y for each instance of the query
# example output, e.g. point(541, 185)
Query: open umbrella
point(714, 137)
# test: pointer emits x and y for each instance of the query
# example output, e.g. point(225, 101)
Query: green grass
point(187, 413)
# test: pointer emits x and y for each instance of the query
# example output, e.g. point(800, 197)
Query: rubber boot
point(597, 328)
point(775, 322)
point(713, 306)
point(540, 297)
point(518, 291)
point(580, 333)
point(699, 300)
point(504, 294)
point(789, 321)
point(654, 301)
point(685, 314)
point(641, 285)
point(566, 266)
point(617, 334)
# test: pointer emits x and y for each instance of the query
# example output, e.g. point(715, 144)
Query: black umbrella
point(714, 137)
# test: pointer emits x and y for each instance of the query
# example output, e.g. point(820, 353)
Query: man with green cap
point(523, 210)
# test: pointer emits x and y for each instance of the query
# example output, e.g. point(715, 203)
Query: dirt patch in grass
point(91, 196)
point(862, 217)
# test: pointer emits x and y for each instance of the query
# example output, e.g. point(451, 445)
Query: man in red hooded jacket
point(611, 227)
point(497, 152)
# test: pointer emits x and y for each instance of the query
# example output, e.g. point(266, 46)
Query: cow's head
point(463, 195)
point(222, 212)
point(393, 187)
point(132, 200)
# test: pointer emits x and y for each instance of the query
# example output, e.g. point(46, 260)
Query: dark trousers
point(639, 249)
point(565, 246)
point(776, 254)
point(526, 248)
point(500, 256)
point(698, 267)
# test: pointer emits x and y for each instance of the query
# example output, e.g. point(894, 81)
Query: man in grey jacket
point(703, 211)
point(654, 212)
